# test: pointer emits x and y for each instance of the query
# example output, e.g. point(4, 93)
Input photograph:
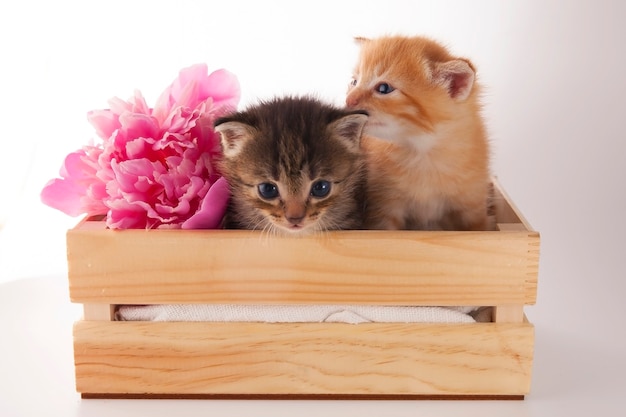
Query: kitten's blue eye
point(384, 88)
point(320, 188)
point(268, 190)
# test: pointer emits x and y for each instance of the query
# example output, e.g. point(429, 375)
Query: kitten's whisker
point(270, 231)
point(320, 233)
point(265, 231)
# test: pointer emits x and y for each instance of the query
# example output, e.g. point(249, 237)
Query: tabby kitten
point(426, 145)
point(294, 166)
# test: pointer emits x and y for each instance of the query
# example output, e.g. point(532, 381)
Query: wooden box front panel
point(303, 359)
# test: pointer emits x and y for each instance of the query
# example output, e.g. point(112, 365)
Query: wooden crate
point(373, 360)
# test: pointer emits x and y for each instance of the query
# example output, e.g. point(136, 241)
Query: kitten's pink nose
point(295, 220)
point(352, 99)
point(294, 212)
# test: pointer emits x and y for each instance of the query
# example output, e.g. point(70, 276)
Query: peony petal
point(187, 87)
point(213, 208)
point(183, 91)
point(223, 87)
point(188, 95)
point(136, 148)
point(104, 121)
point(76, 167)
point(180, 119)
point(133, 181)
point(137, 125)
point(66, 196)
point(123, 216)
point(97, 193)
point(139, 104)
point(74, 193)
point(119, 106)
point(208, 141)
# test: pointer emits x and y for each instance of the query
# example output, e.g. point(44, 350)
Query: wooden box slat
point(350, 267)
point(303, 359)
point(366, 267)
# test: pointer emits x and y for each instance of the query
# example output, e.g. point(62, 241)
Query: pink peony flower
point(156, 166)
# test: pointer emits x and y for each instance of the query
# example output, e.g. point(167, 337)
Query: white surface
point(578, 371)
point(555, 82)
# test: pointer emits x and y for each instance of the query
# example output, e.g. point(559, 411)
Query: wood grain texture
point(357, 267)
point(303, 359)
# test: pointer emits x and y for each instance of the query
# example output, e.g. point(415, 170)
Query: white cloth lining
point(352, 314)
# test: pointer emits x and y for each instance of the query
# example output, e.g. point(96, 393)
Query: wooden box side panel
point(356, 267)
point(506, 210)
point(302, 359)
point(445, 268)
point(351, 267)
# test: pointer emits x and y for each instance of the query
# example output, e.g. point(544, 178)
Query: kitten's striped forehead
point(291, 154)
point(292, 179)
point(295, 185)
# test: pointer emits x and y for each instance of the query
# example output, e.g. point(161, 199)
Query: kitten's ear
point(349, 130)
point(457, 76)
point(234, 135)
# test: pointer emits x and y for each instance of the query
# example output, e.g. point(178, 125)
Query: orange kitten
point(427, 149)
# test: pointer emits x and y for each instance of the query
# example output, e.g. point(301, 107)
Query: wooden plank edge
point(99, 312)
point(500, 190)
point(331, 397)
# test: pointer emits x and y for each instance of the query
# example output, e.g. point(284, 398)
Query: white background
point(554, 75)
